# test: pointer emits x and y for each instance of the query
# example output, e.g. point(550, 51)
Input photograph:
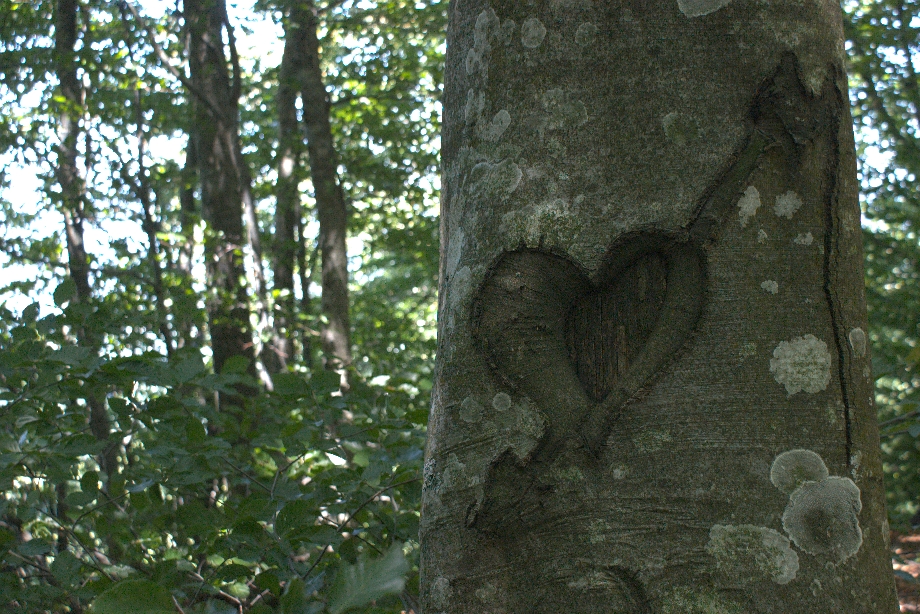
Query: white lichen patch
point(787, 204)
point(494, 130)
point(748, 205)
point(494, 180)
point(441, 592)
point(458, 291)
point(532, 33)
point(619, 472)
point(563, 110)
point(585, 34)
point(530, 423)
point(822, 518)
point(750, 553)
point(858, 341)
point(804, 239)
point(679, 128)
point(471, 410)
point(684, 600)
point(454, 472)
point(477, 57)
point(793, 468)
point(472, 110)
point(697, 8)
point(506, 33)
point(487, 593)
point(769, 286)
point(651, 440)
point(501, 402)
point(531, 224)
point(762, 235)
point(454, 250)
point(802, 364)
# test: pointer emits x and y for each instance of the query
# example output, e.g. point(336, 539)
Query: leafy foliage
point(277, 514)
point(884, 44)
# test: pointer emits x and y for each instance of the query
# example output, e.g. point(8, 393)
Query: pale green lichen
point(501, 402)
point(748, 205)
point(441, 592)
point(532, 33)
point(477, 57)
point(471, 410)
point(454, 473)
point(689, 601)
point(793, 468)
point(494, 130)
point(563, 110)
point(822, 518)
point(651, 440)
point(455, 250)
point(804, 239)
point(585, 34)
point(751, 553)
point(488, 179)
point(472, 111)
point(679, 128)
point(802, 364)
point(487, 593)
point(770, 286)
point(787, 204)
point(858, 341)
point(698, 8)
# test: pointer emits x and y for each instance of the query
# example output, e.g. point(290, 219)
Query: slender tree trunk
point(215, 137)
point(150, 225)
point(73, 195)
point(189, 215)
point(330, 202)
point(288, 209)
point(653, 388)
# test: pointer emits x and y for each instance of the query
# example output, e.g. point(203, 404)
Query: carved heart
point(581, 347)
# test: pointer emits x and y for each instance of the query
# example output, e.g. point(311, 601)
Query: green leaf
point(30, 313)
point(359, 584)
point(136, 597)
point(35, 547)
point(236, 364)
point(290, 385)
point(89, 482)
point(65, 292)
point(296, 517)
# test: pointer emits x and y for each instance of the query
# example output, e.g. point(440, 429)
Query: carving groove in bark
point(580, 348)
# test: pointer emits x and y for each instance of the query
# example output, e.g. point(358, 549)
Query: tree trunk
point(73, 196)
point(653, 388)
point(215, 136)
point(330, 202)
point(288, 209)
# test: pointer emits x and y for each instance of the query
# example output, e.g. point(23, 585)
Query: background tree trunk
point(330, 202)
point(288, 209)
point(653, 388)
point(73, 195)
point(215, 136)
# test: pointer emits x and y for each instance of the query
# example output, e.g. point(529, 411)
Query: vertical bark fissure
point(832, 251)
point(330, 201)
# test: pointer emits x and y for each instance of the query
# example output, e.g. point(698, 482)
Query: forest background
point(219, 241)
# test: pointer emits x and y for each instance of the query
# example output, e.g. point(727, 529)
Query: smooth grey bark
point(653, 388)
